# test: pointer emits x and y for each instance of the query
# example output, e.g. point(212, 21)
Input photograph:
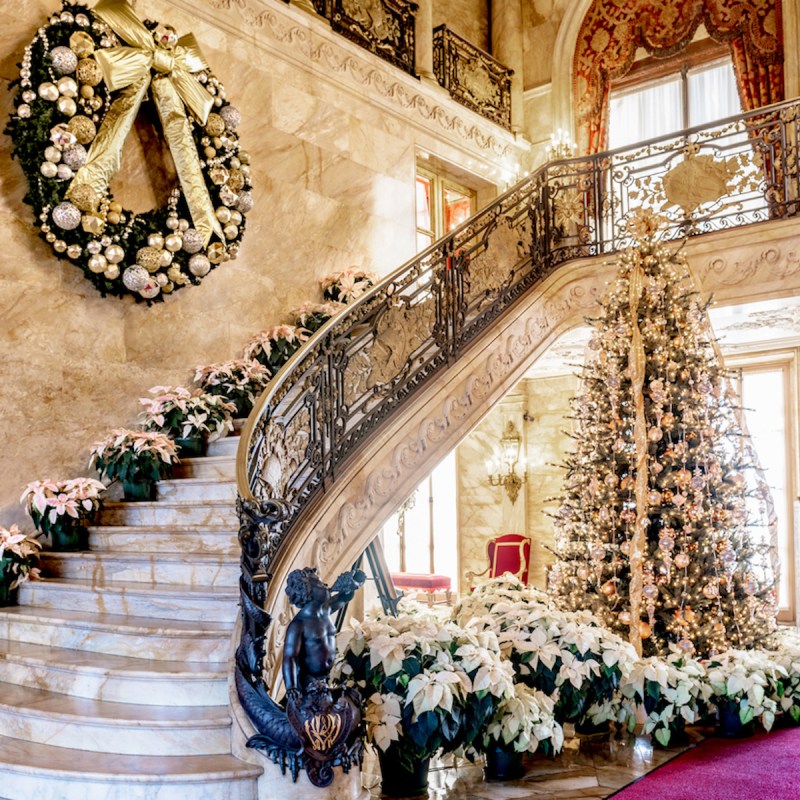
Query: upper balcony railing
point(473, 77)
point(384, 27)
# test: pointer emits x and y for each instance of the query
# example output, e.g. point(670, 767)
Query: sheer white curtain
point(645, 112)
point(712, 93)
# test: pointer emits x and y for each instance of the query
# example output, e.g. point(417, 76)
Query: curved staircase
point(113, 670)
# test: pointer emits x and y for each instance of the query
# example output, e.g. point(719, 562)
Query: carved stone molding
point(311, 44)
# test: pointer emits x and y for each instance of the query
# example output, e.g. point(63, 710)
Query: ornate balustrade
point(473, 77)
point(358, 370)
point(384, 27)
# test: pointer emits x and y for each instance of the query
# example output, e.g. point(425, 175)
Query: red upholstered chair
point(510, 552)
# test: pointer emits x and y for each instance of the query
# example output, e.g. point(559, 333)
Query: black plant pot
point(729, 724)
point(396, 780)
point(503, 764)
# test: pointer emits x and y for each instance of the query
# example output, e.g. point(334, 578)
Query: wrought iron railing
point(384, 27)
point(341, 387)
point(473, 77)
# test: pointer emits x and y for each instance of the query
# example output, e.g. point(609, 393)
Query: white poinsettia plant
point(274, 346)
point(500, 593)
point(186, 414)
point(312, 316)
point(133, 456)
point(524, 722)
point(348, 284)
point(786, 653)
point(18, 558)
point(430, 685)
point(566, 655)
point(664, 695)
point(746, 679)
point(59, 505)
point(239, 382)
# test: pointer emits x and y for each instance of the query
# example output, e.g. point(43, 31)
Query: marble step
point(190, 569)
point(31, 770)
point(170, 512)
point(222, 467)
point(139, 637)
point(138, 599)
point(36, 715)
point(196, 489)
point(219, 539)
point(119, 679)
point(223, 447)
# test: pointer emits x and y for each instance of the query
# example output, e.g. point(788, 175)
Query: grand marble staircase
point(113, 670)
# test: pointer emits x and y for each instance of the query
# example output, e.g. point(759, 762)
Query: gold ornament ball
point(149, 258)
point(67, 86)
point(81, 44)
point(215, 125)
point(114, 254)
point(155, 240)
point(74, 251)
point(66, 105)
point(223, 215)
point(625, 617)
point(84, 197)
point(645, 630)
point(82, 128)
point(48, 169)
point(89, 72)
point(112, 273)
point(59, 245)
point(48, 91)
point(98, 263)
point(86, 91)
point(231, 231)
point(609, 588)
point(173, 242)
point(93, 224)
point(236, 180)
point(113, 218)
point(166, 258)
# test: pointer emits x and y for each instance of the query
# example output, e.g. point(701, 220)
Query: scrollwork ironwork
point(473, 77)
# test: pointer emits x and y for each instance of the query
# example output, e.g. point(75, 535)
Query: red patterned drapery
point(613, 29)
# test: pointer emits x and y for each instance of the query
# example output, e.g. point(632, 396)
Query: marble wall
point(485, 511)
point(467, 18)
point(333, 138)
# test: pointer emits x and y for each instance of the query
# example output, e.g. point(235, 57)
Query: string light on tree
point(659, 531)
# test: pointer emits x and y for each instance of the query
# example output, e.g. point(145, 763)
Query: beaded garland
point(61, 102)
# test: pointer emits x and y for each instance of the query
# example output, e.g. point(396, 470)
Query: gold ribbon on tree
point(163, 66)
point(637, 363)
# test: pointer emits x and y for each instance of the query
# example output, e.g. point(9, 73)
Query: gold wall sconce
point(502, 468)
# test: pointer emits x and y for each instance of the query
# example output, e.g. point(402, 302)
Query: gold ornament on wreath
point(82, 81)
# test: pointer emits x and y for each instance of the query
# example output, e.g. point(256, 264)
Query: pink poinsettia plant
point(134, 456)
point(348, 284)
point(239, 382)
point(312, 316)
point(176, 411)
point(274, 346)
point(57, 505)
point(18, 558)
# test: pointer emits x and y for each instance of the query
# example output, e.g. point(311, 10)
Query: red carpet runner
point(764, 767)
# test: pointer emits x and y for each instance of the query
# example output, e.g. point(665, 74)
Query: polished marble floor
point(589, 768)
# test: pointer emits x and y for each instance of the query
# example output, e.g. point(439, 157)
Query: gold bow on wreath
point(164, 67)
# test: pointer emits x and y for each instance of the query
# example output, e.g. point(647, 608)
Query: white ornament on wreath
point(82, 81)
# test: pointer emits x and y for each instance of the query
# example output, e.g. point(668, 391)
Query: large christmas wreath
point(82, 82)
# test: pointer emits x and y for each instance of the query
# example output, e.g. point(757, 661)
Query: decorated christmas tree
point(662, 529)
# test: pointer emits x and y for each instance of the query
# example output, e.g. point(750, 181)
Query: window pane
point(457, 208)
point(423, 240)
point(646, 112)
point(763, 400)
point(424, 218)
point(712, 94)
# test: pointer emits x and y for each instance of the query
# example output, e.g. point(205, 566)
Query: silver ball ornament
point(135, 278)
point(64, 60)
point(199, 265)
point(112, 273)
point(192, 241)
point(173, 243)
point(232, 117)
point(66, 216)
point(67, 86)
point(245, 202)
point(150, 291)
point(66, 105)
point(53, 154)
point(166, 258)
point(48, 91)
point(64, 172)
point(98, 263)
point(48, 169)
point(74, 157)
point(155, 240)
